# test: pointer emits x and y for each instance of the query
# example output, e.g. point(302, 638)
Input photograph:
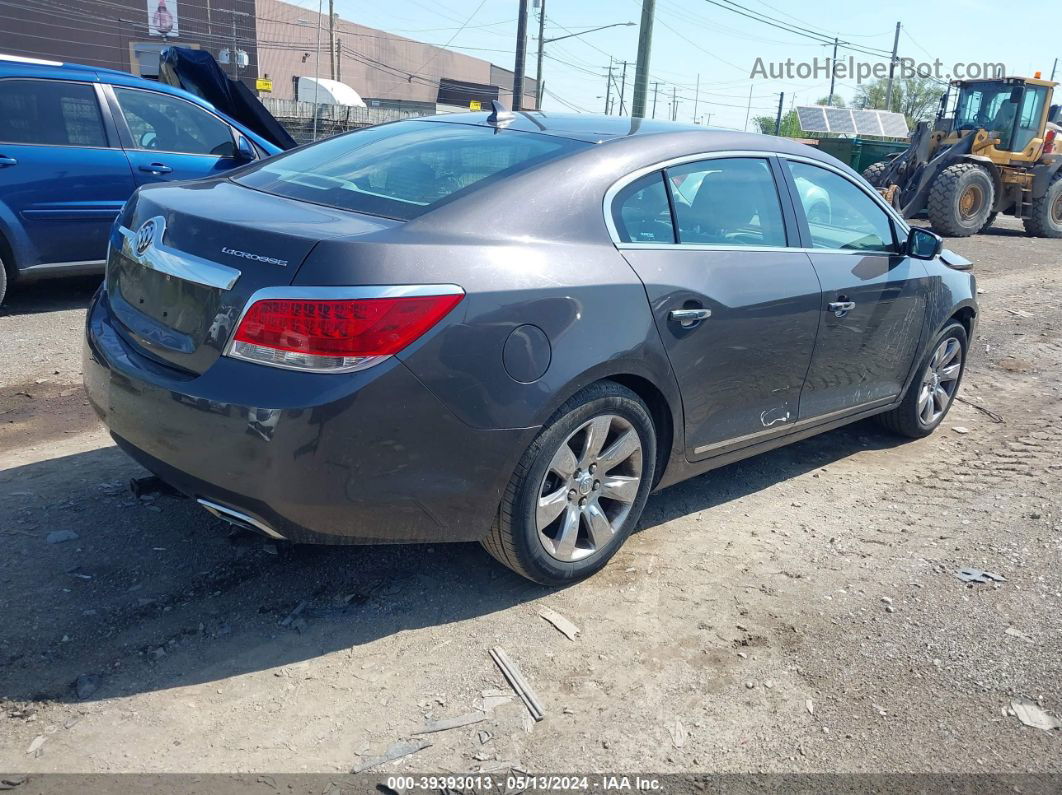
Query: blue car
point(76, 141)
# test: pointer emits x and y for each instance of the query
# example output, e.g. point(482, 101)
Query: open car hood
point(197, 72)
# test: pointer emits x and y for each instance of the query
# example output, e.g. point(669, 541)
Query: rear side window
point(641, 213)
point(51, 113)
point(404, 169)
point(727, 201)
point(170, 124)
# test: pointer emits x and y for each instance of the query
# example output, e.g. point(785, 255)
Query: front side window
point(641, 213)
point(1032, 110)
point(168, 124)
point(51, 113)
point(404, 169)
point(727, 201)
point(839, 214)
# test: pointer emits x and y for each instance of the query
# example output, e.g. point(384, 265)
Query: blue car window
point(50, 113)
point(404, 169)
point(169, 124)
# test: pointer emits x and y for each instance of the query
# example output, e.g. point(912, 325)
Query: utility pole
point(892, 68)
point(674, 103)
point(332, 38)
point(748, 110)
point(521, 57)
point(778, 119)
point(623, 91)
point(316, 71)
point(608, 89)
point(696, 97)
point(656, 91)
point(641, 69)
point(538, 71)
point(1053, 68)
point(833, 72)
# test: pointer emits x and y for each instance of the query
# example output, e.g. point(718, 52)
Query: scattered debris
point(1031, 714)
point(1017, 633)
point(810, 706)
point(960, 429)
point(489, 703)
point(976, 575)
point(61, 536)
point(396, 751)
point(446, 724)
point(996, 418)
point(294, 613)
point(517, 682)
point(35, 746)
point(85, 685)
point(560, 622)
point(750, 684)
point(678, 734)
point(10, 782)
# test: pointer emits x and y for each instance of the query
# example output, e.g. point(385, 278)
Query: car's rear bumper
point(366, 457)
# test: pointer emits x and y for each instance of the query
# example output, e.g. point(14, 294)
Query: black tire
point(514, 538)
point(3, 281)
point(952, 188)
point(906, 419)
point(992, 216)
point(1045, 218)
point(873, 172)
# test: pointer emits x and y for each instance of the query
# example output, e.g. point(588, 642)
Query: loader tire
point(961, 200)
point(991, 220)
point(873, 172)
point(1045, 218)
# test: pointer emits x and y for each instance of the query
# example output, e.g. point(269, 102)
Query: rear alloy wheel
point(1045, 217)
point(931, 393)
point(961, 200)
point(580, 488)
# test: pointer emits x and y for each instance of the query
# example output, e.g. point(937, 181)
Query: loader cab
point(1014, 110)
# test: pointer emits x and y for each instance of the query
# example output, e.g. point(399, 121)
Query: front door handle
point(156, 168)
point(688, 318)
point(7, 161)
point(841, 308)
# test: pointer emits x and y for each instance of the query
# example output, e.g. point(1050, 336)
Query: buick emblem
point(145, 236)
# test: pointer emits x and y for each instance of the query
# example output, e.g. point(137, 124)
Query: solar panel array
point(846, 121)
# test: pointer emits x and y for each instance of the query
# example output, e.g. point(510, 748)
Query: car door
point(63, 177)
point(170, 138)
point(736, 308)
point(873, 295)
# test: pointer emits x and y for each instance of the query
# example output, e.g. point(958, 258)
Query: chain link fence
point(298, 117)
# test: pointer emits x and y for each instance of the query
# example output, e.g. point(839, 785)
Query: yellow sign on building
point(475, 105)
point(263, 84)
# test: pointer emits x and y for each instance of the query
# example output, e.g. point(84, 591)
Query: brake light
point(335, 335)
point(1049, 142)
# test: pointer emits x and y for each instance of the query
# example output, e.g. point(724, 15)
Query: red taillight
point(332, 335)
point(1049, 142)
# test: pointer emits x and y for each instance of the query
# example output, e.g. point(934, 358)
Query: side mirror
point(1055, 114)
point(923, 244)
point(244, 150)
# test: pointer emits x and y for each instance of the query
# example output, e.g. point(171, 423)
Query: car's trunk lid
point(190, 257)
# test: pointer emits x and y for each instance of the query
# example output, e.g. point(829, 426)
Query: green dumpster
point(860, 152)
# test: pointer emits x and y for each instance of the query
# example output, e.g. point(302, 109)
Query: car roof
point(590, 127)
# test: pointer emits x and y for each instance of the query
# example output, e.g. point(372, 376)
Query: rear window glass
point(404, 169)
point(50, 112)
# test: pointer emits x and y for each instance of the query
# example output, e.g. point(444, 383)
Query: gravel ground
point(798, 611)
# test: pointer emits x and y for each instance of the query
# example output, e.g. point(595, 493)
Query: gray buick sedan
point(510, 328)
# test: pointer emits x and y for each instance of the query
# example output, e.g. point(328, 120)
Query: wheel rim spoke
point(941, 398)
point(601, 531)
point(950, 373)
point(564, 461)
point(620, 450)
point(622, 488)
point(551, 506)
point(564, 545)
point(596, 434)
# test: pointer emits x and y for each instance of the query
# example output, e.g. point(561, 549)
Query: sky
point(702, 40)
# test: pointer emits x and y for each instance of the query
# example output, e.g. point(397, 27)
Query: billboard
point(162, 18)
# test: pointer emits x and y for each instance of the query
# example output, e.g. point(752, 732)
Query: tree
point(838, 101)
point(790, 125)
point(914, 97)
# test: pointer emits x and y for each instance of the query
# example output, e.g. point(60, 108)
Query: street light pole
point(608, 88)
point(541, 42)
point(521, 57)
point(641, 69)
point(892, 68)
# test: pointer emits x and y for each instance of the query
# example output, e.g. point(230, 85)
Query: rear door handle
point(7, 161)
point(689, 317)
point(156, 168)
point(841, 308)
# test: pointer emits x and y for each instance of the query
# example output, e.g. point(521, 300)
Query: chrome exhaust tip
point(238, 519)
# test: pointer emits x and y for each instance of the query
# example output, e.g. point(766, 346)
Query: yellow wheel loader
point(991, 150)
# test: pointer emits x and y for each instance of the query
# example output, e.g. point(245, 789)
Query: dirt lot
point(799, 611)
